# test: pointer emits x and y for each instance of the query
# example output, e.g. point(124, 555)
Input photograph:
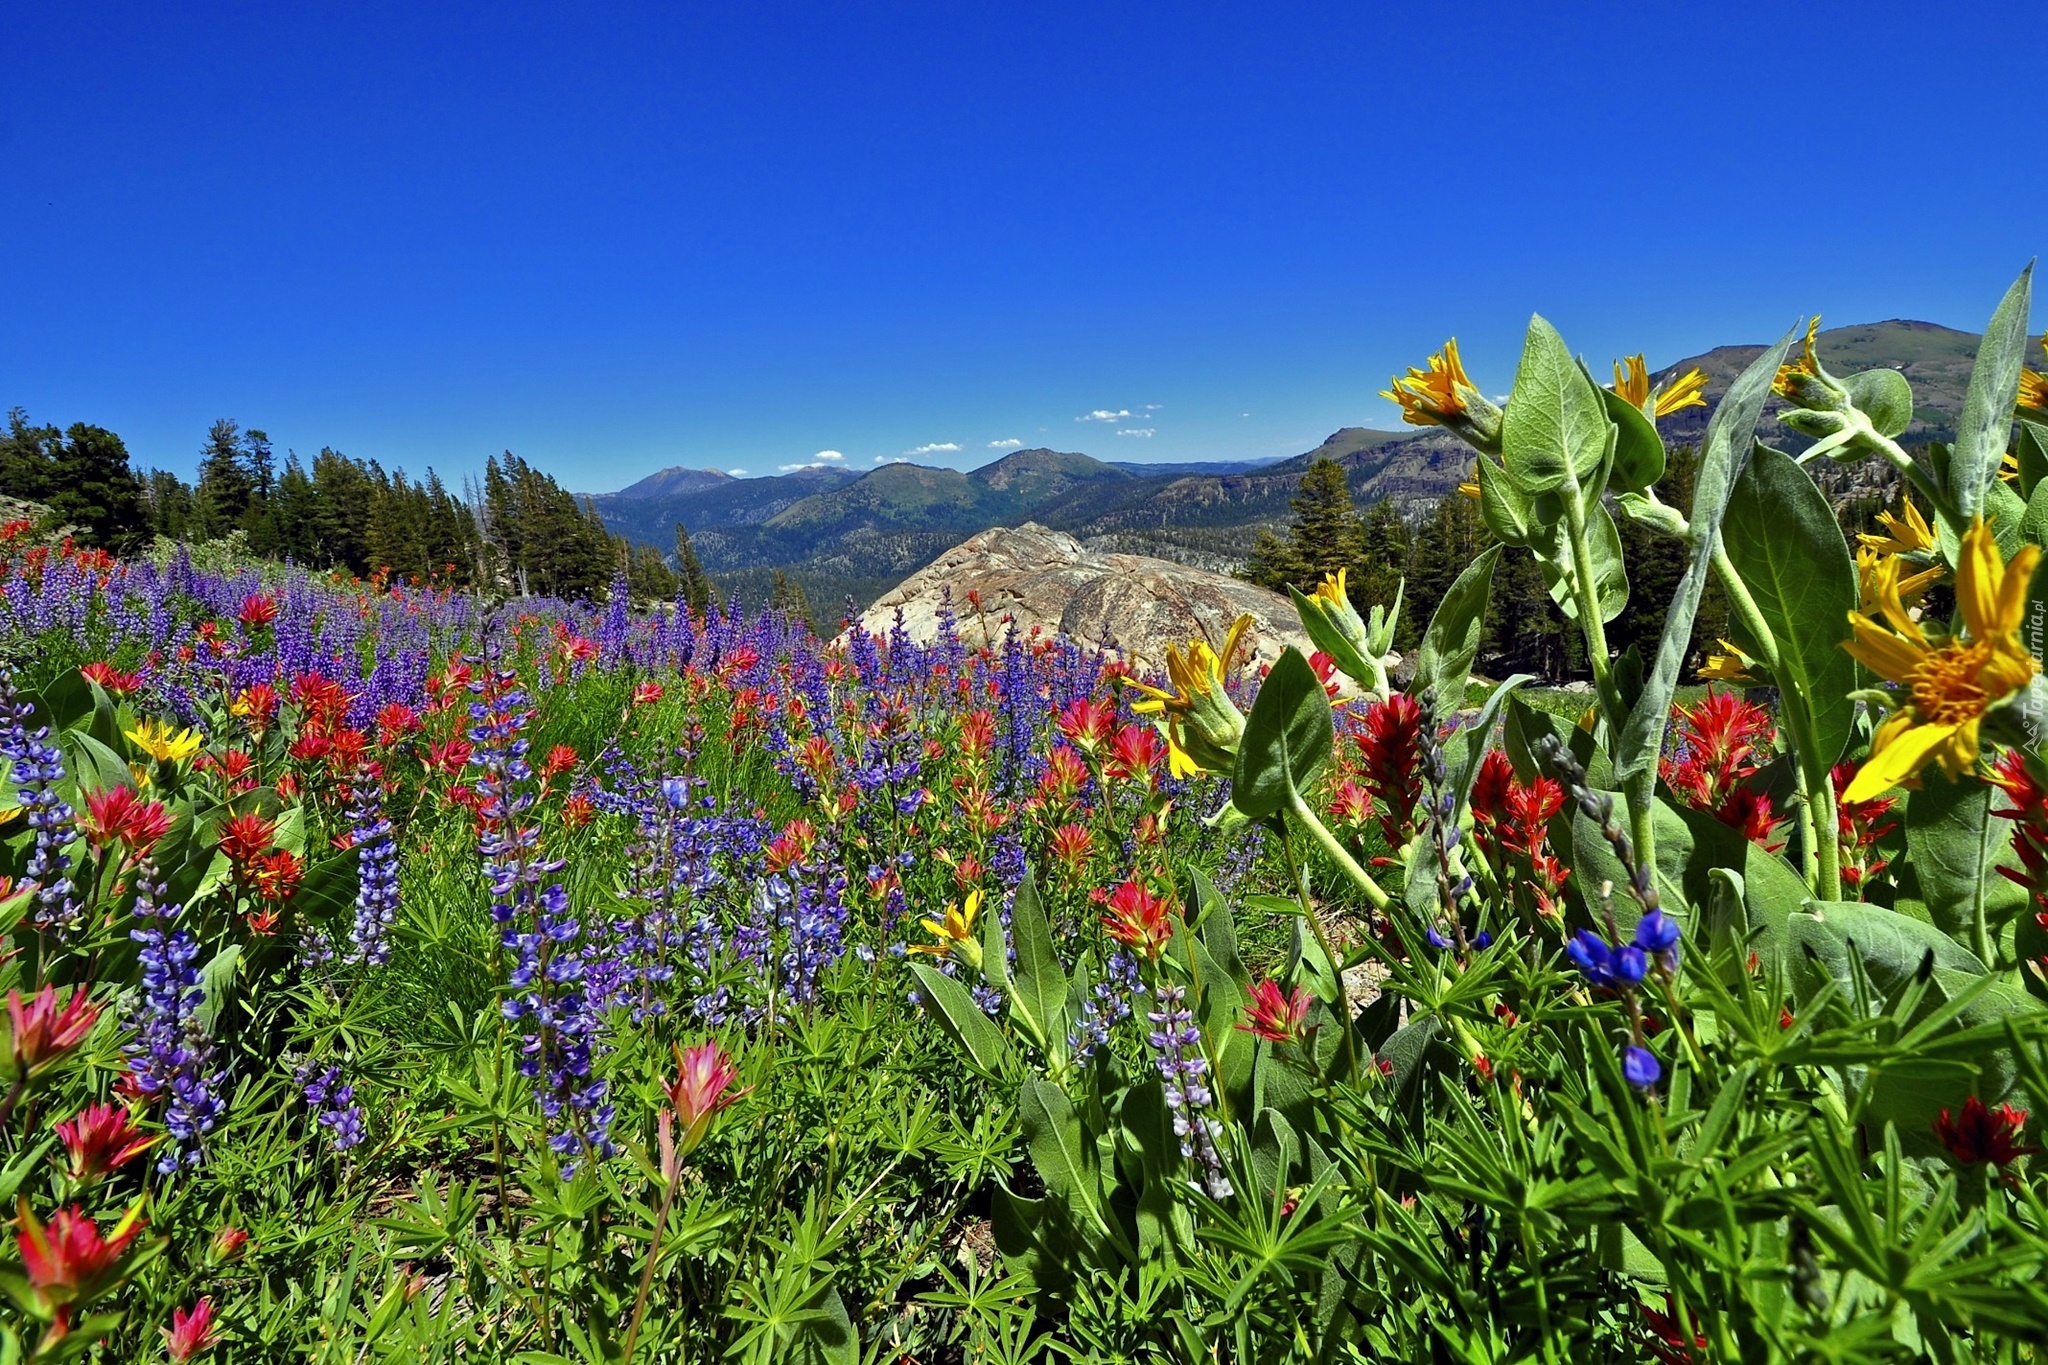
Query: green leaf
point(217, 982)
point(1040, 982)
point(1061, 1153)
point(1452, 641)
point(1507, 511)
point(1286, 739)
point(1731, 431)
point(1787, 546)
point(1555, 429)
point(1325, 635)
point(1986, 424)
point(2034, 522)
point(1610, 569)
point(1885, 397)
point(1474, 739)
point(95, 765)
point(2032, 450)
point(987, 1050)
point(1638, 449)
point(1954, 844)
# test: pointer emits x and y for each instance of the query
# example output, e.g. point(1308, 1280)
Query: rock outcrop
point(1046, 580)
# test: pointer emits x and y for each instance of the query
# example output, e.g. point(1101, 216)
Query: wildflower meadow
point(398, 973)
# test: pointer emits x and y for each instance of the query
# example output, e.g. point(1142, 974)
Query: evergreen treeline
point(516, 531)
point(1526, 630)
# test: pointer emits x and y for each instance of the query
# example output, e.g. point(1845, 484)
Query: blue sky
point(621, 237)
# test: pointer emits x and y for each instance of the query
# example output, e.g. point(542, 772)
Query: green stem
point(1329, 844)
point(1639, 795)
point(1315, 924)
point(1817, 817)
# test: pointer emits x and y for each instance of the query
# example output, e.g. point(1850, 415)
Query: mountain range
point(848, 532)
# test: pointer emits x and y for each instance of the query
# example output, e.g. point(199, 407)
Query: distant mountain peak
point(676, 479)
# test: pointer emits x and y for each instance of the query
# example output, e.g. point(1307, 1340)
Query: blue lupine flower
point(1656, 933)
point(1591, 955)
point(1641, 1066)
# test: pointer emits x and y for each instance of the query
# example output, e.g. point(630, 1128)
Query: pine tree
point(97, 492)
point(225, 488)
point(1325, 535)
point(787, 596)
point(693, 583)
point(1384, 544)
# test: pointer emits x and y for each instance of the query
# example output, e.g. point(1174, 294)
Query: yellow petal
point(1978, 581)
point(1896, 756)
point(1884, 653)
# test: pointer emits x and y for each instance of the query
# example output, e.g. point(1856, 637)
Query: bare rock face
point(1045, 579)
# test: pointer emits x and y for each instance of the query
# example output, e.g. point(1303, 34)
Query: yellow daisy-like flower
point(1202, 724)
point(1332, 591)
point(1632, 381)
point(1195, 675)
point(2034, 386)
point(1881, 576)
point(1791, 377)
point(2009, 467)
point(1470, 488)
point(157, 739)
point(1950, 680)
point(955, 930)
point(1905, 534)
point(1428, 397)
point(1729, 667)
point(10, 815)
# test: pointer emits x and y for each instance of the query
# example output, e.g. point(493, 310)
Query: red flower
point(1326, 672)
point(118, 815)
point(191, 1331)
point(560, 759)
point(646, 694)
point(258, 609)
point(39, 1034)
point(102, 1138)
point(395, 721)
point(246, 837)
point(1273, 1016)
point(1065, 774)
point(67, 1259)
point(1071, 844)
point(1721, 740)
point(703, 1089)
point(112, 680)
point(1352, 805)
point(1135, 753)
point(277, 875)
point(1979, 1134)
point(791, 846)
point(228, 1241)
point(1086, 723)
point(978, 732)
point(1389, 742)
point(256, 704)
point(577, 811)
point(1138, 919)
point(450, 758)
point(262, 923)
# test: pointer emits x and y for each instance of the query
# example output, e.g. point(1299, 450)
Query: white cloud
point(1136, 431)
point(737, 473)
point(1154, 407)
point(1007, 443)
point(807, 464)
point(890, 459)
point(828, 455)
point(1104, 415)
point(936, 448)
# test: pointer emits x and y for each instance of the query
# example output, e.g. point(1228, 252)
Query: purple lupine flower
point(171, 1058)
point(37, 768)
point(377, 875)
point(1177, 1050)
point(333, 1104)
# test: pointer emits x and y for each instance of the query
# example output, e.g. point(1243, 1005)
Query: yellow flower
point(1792, 378)
point(140, 775)
point(2009, 467)
point(1203, 725)
point(1730, 667)
point(10, 815)
point(1879, 575)
point(1195, 675)
point(2034, 386)
point(156, 739)
point(1427, 397)
point(1332, 592)
point(1905, 534)
point(956, 930)
point(1470, 488)
point(1632, 381)
point(1950, 680)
